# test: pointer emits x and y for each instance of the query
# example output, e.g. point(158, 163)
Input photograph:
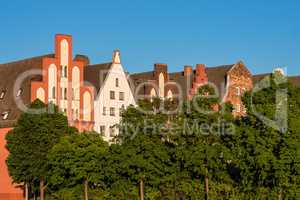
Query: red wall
point(8, 191)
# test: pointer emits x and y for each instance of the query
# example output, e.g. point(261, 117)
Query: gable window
point(112, 111)
point(104, 111)
point(2, 94)
point(117, 82)
point(112, 95)
point(5, 115)
point(121, 96)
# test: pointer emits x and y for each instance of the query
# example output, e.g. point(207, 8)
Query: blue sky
point(265, 34)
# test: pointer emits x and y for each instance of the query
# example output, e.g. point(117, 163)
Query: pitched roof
point(9, 73)
point(217, 76)
point(96, 74)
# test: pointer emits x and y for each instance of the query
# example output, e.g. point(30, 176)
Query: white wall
point(103, 100)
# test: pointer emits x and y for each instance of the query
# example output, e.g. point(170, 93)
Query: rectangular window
point(237, 108)
point(104, 111)
point(112, 95)
point(53, 92)
point(112, 111)
point(66, 71)
point(102, 130)
point(117, 82)
point(238, 91)
point(121, 96)
point(65, 93)
point(112, 132)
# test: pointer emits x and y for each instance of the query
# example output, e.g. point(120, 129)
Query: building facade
point(113, 94)
point(56, 78)
point(229, 81)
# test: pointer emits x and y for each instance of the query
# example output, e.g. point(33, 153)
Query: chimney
point(159, 67)
point(188, 70)
point(200, 69)
point(116, 57)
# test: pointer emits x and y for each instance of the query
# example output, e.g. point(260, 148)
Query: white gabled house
point(113, 93)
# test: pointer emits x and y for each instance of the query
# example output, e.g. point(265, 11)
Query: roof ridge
point(27, 59)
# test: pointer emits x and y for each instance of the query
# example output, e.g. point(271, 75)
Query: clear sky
point(265, 34)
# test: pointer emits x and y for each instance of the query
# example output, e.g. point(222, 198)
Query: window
point(2, 94)
point(112, 111)
point(121, 96)
point(121, 110)
point(112, 94)
point(238, 91)
point(237, 108)
point(104, 111)
point(19, 92)
point(112, 131)
point(66, 71)
point(5, 115)
point(76, 114)
point(65, 93)
point(53, 92)
point(117, 82)
point(102, 130)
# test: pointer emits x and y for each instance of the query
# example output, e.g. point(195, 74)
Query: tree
point(268, 158)
point(30, 141)
point(77, 158)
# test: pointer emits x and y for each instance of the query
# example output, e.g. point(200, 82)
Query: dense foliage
point(200, 151)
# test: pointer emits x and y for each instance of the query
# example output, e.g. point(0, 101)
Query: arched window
point(87, 108)
point(152, 94)
point(52, 81)
point(64, 52)
point(161, 85)
point(40, 94)
point(76, 83)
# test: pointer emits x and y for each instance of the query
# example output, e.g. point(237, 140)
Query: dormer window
point(20, 91)
point(2, 94)
point(5, 115)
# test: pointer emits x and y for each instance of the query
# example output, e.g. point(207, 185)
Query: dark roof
point(96, 74)
point(218, 76)
point(9, 73)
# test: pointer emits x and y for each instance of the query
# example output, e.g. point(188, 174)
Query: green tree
point(78, 158)
point(30, 141)
point(268, 157)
